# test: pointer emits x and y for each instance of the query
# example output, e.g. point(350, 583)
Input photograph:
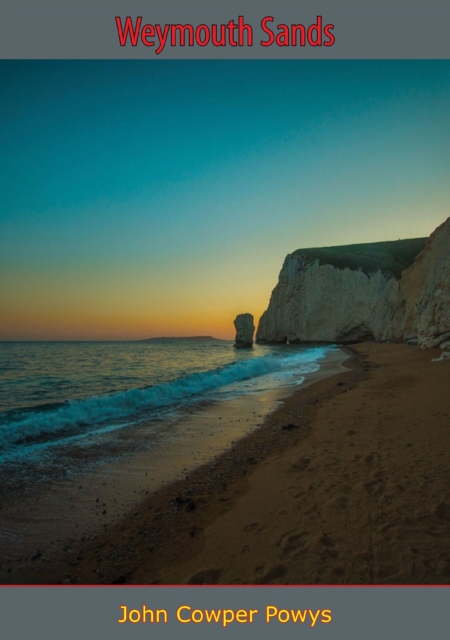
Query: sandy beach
point(346, 483)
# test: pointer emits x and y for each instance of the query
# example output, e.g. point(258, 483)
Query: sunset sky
point(148, 198)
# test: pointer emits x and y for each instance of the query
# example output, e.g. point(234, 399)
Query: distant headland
point(173, 339)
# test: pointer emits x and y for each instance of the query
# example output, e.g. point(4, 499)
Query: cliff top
point(390, 257)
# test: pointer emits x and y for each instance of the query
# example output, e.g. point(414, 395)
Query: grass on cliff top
point(390, 257)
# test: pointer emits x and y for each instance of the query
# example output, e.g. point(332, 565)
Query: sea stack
point(245, 329)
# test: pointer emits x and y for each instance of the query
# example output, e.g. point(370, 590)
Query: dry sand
point(347, 482)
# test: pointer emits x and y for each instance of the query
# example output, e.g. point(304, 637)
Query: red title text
point(233, 34)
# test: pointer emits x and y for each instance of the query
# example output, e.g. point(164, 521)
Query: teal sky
point(142, 198)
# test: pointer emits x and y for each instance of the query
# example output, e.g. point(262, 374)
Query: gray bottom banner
point(236, 612)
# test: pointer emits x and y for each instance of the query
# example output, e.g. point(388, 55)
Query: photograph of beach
point(225, 322)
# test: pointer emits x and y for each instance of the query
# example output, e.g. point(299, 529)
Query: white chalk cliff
point(381, 291)
point(425, 287)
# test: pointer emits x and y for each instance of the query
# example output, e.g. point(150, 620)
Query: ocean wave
point(84, 414)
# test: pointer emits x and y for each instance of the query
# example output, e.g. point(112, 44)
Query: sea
point(94, 396)
point(52, 393)
point(90, 430)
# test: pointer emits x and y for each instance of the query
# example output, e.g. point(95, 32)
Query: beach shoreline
point(345, 483)
point(43, 517)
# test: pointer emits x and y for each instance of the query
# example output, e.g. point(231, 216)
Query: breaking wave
point(83, 415)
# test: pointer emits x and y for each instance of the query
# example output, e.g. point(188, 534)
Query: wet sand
point(346, 482)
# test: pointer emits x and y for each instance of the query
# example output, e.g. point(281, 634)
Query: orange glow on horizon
point(99, 326)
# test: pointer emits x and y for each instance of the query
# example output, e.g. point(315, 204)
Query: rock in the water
point(244, 330)
point(393, 291)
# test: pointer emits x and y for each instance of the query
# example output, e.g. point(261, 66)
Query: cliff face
point(381, 291)
point(425, 287)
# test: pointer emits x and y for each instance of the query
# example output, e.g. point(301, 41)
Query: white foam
point(86, 415)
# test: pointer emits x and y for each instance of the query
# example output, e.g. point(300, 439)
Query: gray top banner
point(356, 29)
